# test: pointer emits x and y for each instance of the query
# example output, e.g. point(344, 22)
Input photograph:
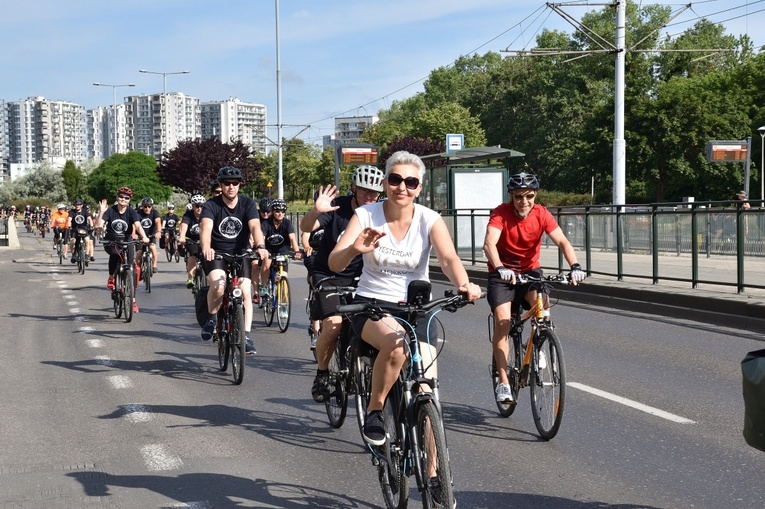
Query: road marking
point(157, 457)
point(137, 413)
point(74, 310)
point(87, 330)
point(120, 382)
point(192, 505)
point(72, 302)
point(104, 360)
point(65, 292)
point(630, 403)
point(95, 343)
point(67, 296)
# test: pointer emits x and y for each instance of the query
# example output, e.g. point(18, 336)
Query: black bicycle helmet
point(147, 201)
point(78, 201)
point(264, 205)
point(214, 184)
point(279, 204)
point(522, 181)
point(229, 173)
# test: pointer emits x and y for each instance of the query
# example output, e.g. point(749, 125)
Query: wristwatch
point(261, 246)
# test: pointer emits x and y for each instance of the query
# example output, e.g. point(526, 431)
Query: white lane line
point(87, 329)
point(203, 504)
point(630, 403)
point(94, 343)
point(157, 457)
point(104, 360)
point(120, 382)
point(137, 413)
point(66, 292)
point(68, 296)
point(72, 303)
point(74, 310)
point(81, 319)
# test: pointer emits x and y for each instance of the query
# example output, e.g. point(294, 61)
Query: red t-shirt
point(520, 238)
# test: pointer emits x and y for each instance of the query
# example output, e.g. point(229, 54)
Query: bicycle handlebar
point(555, 278)
point(449, 302)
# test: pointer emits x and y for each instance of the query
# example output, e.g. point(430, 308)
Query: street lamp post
point(761, 130)
point(166, 138)
point(114, 103)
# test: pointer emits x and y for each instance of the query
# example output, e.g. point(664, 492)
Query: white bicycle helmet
point(368, 177)
point(197, 199)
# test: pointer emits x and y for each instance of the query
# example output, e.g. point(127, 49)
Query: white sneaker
point(504, 394)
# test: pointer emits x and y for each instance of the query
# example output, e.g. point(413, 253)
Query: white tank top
point(390, 268)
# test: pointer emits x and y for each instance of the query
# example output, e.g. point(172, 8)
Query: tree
point(43, 181)
point(436, 122)
point(135, 170)
point(417, 146)
point(73, 180)
point(192, 165)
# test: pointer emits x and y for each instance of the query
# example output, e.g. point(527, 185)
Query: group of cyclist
point(378, 246)
point(68, 226)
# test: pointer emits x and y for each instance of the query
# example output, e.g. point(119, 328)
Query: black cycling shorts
point(420, 327)
point(246, 267)
point(326, 301)
point(499, 292)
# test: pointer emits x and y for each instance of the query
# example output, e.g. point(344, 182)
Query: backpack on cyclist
point(753, 371)
point(200, 306)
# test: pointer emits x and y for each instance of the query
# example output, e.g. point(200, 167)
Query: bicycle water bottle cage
point(418, 293)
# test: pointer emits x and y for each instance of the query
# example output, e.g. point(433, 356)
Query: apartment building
point(237, 120)
point(106, 129)
point(45, 130)
point(348, 129)
point(5, 162)
point(153, 126)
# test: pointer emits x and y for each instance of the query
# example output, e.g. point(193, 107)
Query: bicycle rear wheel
point(237, 341)
point(548, 384)
point(146, 272)
point(283, 304)
point(128, 289)
point(435, 472)
point(269, 305)
point(224, 346)
point(337, 403)
point(60, 252)
point(168, 251)
point(363, 370)
point(118, 298)
point(177, 255)
point(199, 279)
point(80, 254)
point(393, 480)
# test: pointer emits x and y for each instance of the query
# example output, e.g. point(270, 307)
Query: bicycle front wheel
point(363, 381)
point(337, 403)
point(283, 303)
point(146, 272)
point(237, 340)
point(175, 251)
point(118, 298)
point(548, 384)
point(168, 251)
point(393, 481)
point(434, 458)
point(129, 290)
point(80, 259)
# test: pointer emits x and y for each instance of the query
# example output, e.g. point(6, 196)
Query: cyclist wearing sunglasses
point(331, 214)
point(280, 238)
point(512, 246)
point(120, 222)
point(152, 226)
point(395, 238)
point(190, 231)
point(227, 223)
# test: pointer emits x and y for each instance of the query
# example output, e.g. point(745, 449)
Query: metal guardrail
point(631, 240)
point(4, 232)
point(712, 232)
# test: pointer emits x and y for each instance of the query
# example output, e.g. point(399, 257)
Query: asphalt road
point(96, 412)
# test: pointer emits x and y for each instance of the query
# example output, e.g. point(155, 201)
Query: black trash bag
point(753, 371)
point(200, 306)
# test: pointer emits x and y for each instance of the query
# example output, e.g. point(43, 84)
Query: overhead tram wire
point(537, 11)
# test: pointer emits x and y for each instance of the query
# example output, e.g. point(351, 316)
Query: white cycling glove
point(577, 274)
point(505, 274)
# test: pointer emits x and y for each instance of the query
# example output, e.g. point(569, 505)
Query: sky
point(337, 57)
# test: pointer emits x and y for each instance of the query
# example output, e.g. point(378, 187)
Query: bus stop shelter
point(466, 185)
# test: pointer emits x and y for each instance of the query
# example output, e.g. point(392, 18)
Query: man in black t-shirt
point(80, 219)
point(332, 213)
point(169, 224)
point(152, 226)
point(226, 225)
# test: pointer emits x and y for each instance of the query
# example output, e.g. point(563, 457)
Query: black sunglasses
point(394, 179)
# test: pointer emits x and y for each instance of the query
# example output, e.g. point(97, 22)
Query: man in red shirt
point(512, 246)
